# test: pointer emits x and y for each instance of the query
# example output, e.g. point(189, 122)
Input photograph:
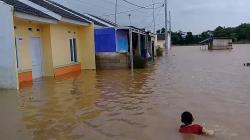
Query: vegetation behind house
point(240, 34)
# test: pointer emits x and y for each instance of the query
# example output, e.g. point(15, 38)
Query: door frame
point(18, 50)
point(41, 55)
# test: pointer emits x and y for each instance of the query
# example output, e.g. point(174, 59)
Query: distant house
point(42, 38)
point(161, 40)
point(113, 46)
point(218, 43)
point(112, 43)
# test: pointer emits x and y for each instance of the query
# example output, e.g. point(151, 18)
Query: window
point(73, 50)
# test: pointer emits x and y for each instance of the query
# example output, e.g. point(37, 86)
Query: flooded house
point(126, 42)
point(218, 43)
point(42, 38)
point(115, 46)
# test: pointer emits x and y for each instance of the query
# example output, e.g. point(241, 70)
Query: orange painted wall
point(25, 76)
point(67, 69)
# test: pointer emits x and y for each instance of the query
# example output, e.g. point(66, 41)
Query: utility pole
point(170, 28)
point(154, 14)
point(166, 25)
point(116, 6)
point(170, 32)
point(129, 16)
point(131, 50)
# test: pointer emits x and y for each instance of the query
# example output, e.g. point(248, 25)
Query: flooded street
point(144, 105)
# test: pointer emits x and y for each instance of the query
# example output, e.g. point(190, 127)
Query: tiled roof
point(104, 20)
point(60, 10)
point(23, 8)
point(86, 17)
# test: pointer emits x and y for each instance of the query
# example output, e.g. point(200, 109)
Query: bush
point(139, 62)
point(159, 51)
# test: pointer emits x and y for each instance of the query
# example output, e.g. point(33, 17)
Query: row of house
point(43, 38)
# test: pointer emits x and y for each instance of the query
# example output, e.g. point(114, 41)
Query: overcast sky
point(187, 15)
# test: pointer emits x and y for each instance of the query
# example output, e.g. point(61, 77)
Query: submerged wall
point(220, 44)
point(8, 64)
point(112, 60)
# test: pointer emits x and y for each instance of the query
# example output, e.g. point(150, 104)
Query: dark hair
point(187, 118)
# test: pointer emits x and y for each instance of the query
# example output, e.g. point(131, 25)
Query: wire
point(131, 10)
point(142, 7)
point(134, 4)
point(156, 18)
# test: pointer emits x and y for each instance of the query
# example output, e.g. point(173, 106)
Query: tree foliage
point(239, 33)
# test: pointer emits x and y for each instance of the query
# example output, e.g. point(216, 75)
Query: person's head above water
point(187, 118)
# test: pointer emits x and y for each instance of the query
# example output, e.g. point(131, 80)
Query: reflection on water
point(144, 105)
point(188, 137)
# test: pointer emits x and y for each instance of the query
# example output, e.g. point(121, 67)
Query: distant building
point(161, 40)
point(217, 43)
point(113, 46)
point(112, 43)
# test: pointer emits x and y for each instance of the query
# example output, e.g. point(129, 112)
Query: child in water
point(190, 128)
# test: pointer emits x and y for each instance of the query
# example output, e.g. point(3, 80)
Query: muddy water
point(144, 105)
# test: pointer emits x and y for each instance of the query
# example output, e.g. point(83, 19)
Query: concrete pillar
point(8, 63)
point(146, 42)
point(131, 49)
point(139, 44)
point(169, 41)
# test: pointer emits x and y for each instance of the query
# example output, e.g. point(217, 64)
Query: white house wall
point(8, 69)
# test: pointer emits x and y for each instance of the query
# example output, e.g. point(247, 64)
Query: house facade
point(116, 53)
point(218, 43)
point(115, 45)
point(43, 38)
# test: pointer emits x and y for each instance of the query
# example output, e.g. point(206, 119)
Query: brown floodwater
point(143, 105)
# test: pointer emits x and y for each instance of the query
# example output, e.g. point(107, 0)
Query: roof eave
point(90, 22)
point(66, 20)
point(104, 23)
point(34, 18)
point(134, 30)
point(42, 9)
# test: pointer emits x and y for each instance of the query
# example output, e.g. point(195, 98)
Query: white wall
point(221, 42)
point(161, 43)
point(169, 41)
point(8, 69)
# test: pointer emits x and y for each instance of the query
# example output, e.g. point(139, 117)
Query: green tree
point(239, 33)
point(189, 39)
point(162, 30)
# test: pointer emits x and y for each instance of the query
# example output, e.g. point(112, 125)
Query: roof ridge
point(41, 9)
point(24, 8)
point(99, 20)
point(104, 20)
point(53, 3)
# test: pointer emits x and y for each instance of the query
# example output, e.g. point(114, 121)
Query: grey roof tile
point(104, 20)
point(59, 9)
point(86, 17)
point(23, 8)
